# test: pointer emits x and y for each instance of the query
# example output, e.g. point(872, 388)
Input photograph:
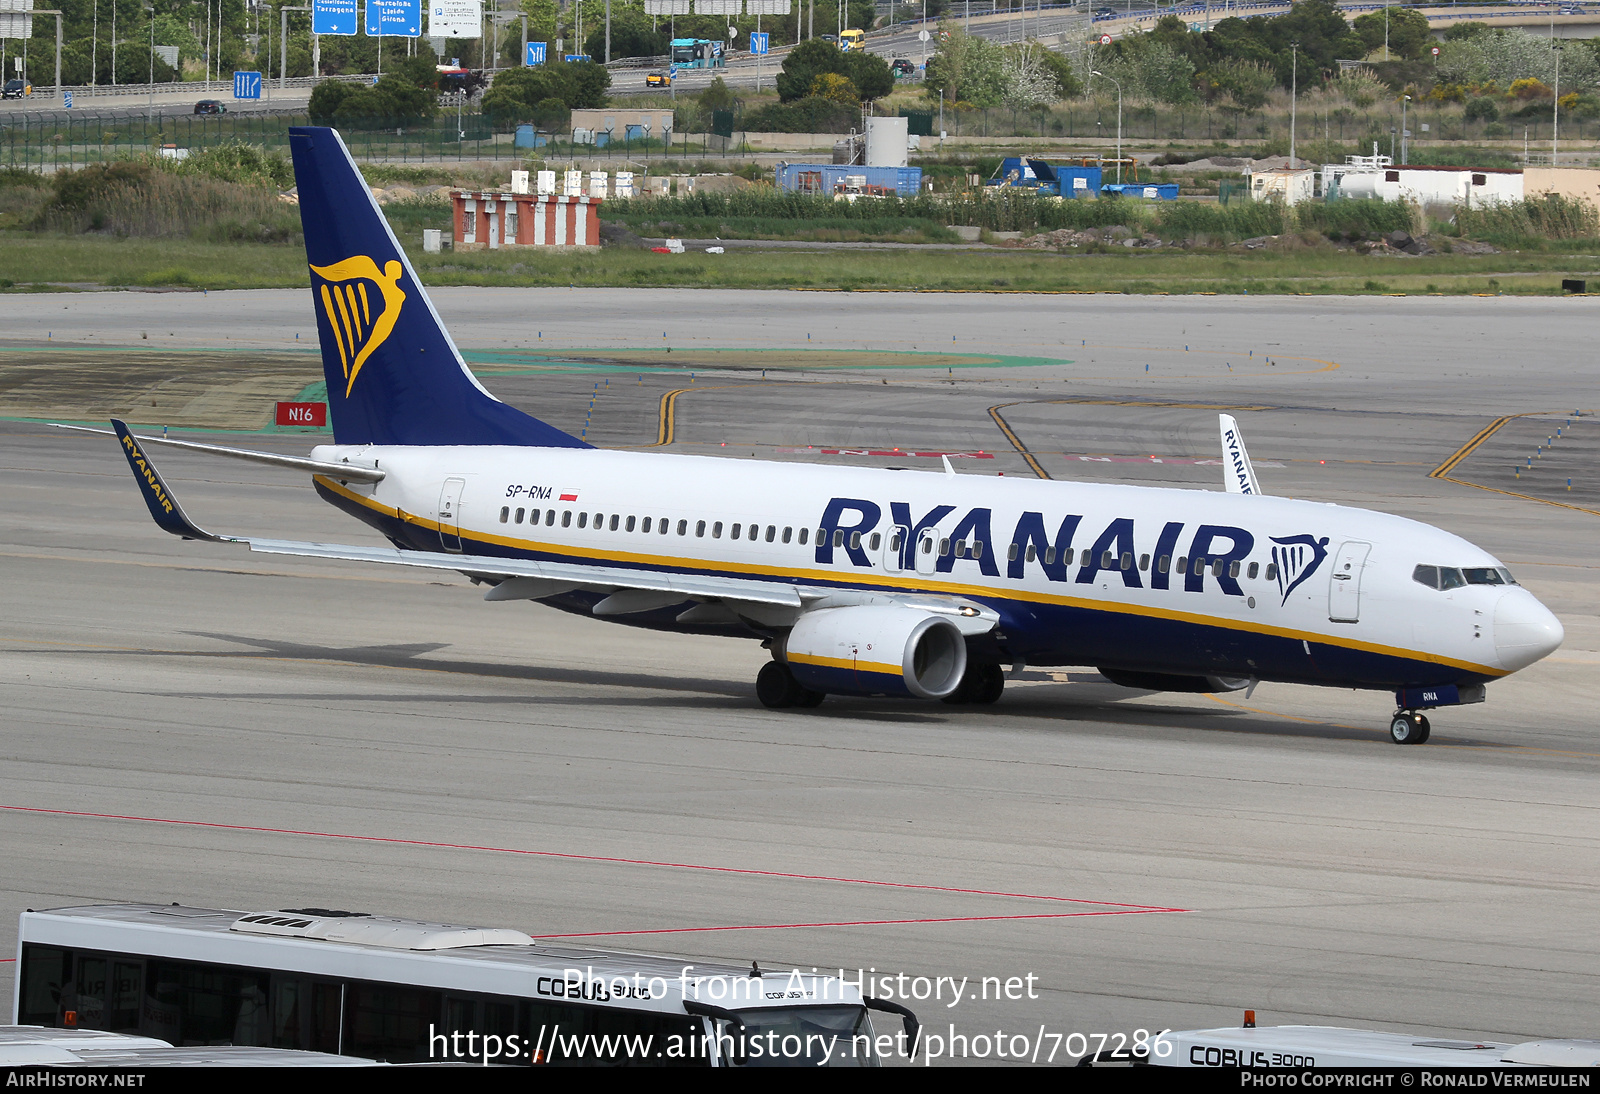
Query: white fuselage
point(1157, 579)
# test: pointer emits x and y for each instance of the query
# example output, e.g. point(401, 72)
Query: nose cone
point(1524, 630)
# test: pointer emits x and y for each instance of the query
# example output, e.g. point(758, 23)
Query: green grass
point(29, 259)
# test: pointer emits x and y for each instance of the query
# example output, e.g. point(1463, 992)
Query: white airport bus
point(403, 991)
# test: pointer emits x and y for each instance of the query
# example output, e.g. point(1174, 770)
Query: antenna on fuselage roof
point(1237, 473)
point(948, 470)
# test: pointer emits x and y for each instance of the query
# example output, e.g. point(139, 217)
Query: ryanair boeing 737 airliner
point(860, 581)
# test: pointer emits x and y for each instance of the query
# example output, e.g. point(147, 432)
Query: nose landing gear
point(1409, 728)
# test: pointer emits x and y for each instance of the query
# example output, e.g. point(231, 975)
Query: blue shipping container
point(1153, 191)
point(1050, 179)
point(529, 137)
point(827, 179)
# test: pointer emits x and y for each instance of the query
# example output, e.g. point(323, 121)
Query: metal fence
point(54, 139)
point(1098, 120)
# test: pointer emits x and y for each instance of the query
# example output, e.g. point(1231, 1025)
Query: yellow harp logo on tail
point(361, 318)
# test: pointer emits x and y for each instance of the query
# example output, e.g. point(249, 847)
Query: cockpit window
point(1448, 577)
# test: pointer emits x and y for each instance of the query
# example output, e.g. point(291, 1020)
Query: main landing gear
point(981, 683)
point(1409, 728)
point(777, 688)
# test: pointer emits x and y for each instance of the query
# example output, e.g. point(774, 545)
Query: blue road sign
point(334, 17)
point(571, 57)
point(535, 54)
point(394, 18)
point(247, 85)
point(66, 99)
point(758, 42)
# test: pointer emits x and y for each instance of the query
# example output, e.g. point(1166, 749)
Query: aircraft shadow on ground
point(1071, 701)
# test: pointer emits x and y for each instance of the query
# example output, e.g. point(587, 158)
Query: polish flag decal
point(570, 497)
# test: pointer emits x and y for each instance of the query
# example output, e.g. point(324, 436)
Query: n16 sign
point(758, 42)
point(535, 54)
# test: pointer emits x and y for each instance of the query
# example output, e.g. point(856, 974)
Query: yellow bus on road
point(852, 38)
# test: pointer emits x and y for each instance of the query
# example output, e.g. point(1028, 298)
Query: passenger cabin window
point(583, 520)
point(700, 529)
point(1255, 568)
point(1272, 571)
point(630, 524)
point(505, 513)
point(566, 518)
point(519, 516)
point(550, 517)
point(786, 534)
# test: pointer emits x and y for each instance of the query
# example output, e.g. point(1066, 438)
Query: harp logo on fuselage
point(361, 306)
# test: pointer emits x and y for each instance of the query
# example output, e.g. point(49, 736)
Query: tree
point(835, 88)
point(968, 69)
point(867, 71)
point(393, 99)
point(518, 93)
point(1408, 32)
point(717, 96)
point(631, 35)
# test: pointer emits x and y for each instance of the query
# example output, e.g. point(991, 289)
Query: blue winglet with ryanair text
point(394, 375)
point(163, 506)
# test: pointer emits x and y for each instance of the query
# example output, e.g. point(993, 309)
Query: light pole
point(1114, 80)
point(1404, 132)
point(1555, 110)
point(1294, 95)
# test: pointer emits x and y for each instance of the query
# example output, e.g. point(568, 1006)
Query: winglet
point(1237, 474)
point(163, 506)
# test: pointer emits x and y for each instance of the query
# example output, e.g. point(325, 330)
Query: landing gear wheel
point(1408, 728)
point(963, 692)
point(776, 687)
point(988, 684)
point(981, 683)
point(805, 697)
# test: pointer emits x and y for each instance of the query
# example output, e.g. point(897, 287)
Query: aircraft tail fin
point(1237, 473)
point(394, 375)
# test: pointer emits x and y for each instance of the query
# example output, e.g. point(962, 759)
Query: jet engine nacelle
point(876, 650)
point(1163, 681)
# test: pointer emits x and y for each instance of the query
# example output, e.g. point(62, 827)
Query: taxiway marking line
point(575, 857)
point(863, 923)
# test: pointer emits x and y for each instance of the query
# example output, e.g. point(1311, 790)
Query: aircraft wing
point(568, 575)
point(629, 590)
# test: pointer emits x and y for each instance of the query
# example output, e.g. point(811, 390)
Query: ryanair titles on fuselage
point(1050, 545)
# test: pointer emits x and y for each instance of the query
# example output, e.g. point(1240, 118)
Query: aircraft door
point(894, 549)
point(450, 514)
point(1344, 585)
point(927, 550)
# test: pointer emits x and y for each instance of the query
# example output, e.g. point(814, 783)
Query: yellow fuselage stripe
point(913, 583)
